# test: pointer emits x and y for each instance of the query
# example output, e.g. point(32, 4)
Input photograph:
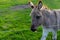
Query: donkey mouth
point(33, 28)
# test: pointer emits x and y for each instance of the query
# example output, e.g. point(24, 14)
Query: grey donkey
point(49, 19)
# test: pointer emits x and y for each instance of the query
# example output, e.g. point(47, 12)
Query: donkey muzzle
point(33, 28)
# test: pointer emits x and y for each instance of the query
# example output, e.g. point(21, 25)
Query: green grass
point(15, 25)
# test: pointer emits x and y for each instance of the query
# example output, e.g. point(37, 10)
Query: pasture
point(15, 24)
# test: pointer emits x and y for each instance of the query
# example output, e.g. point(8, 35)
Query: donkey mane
point(45, 7)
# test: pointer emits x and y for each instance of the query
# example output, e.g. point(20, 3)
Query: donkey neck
point(48, 17)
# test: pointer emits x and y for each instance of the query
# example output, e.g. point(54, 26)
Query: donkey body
point(51, 23)
point(49, 19)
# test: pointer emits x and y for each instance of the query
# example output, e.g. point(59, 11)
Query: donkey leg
point(44, 35)
point(54, 32)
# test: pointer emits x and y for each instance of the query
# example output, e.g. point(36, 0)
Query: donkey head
point(36, 15)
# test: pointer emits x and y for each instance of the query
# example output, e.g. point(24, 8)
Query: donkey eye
point(37, 17)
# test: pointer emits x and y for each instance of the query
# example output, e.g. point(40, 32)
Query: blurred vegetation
point(8, 3)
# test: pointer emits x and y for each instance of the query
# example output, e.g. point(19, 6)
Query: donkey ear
point(31, 4)
point(40, 5)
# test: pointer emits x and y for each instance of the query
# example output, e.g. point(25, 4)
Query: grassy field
point(15, 25)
